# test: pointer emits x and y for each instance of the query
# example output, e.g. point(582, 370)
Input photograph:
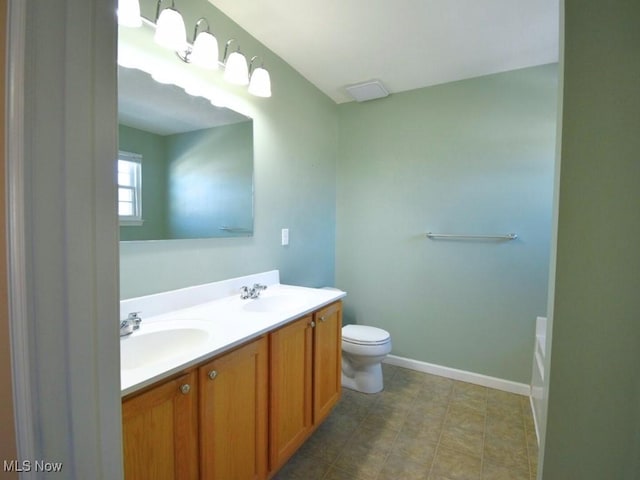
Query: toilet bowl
point(363, 349)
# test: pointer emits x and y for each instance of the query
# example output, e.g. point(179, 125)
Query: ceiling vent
point(361, 92)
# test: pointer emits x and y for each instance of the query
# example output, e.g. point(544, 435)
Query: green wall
point(475, 156)
point(295, 146)
point(593, 429)
point(210, 181)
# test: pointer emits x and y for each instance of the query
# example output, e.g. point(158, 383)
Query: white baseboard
point(462, 375)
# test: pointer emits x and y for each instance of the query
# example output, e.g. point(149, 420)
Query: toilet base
point(367, 379)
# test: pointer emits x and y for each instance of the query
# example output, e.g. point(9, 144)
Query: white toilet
point(363, 349)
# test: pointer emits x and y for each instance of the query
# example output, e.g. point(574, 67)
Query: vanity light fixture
point(204, 51)
point(260, 81)
point(129, 13)
point(170, 30)
point(235, 66)
point(170, 33)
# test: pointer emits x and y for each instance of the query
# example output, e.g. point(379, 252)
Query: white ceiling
point(406, 44)
point(165, 109)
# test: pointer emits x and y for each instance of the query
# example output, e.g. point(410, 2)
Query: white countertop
point(222, 323)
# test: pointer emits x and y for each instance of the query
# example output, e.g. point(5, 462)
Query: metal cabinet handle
point(322, 318)
point(186, 388)
point(212, 374)
point(312, 324)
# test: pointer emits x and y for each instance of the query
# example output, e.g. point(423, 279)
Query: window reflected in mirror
point(130, 188)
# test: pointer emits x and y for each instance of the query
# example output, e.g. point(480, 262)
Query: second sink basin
point(155, 343)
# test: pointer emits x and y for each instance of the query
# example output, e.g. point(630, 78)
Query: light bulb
point(260, 84)
point(170, 30)
point(205, 51)
point(236, 70)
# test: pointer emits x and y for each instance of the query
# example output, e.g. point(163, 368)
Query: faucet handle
point(254, 292)
point(244, 292)
point(129, 324)
point(135, 319)
point(125, 328)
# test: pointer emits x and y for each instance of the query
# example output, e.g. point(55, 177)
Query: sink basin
point(274, 304)
point(157, 343)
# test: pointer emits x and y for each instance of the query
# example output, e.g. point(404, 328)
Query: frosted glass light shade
point(129, 13)
point(170, 30)
point(260, 84)
point(205, 51)
point(236, 69)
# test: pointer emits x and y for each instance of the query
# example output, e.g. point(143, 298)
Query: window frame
point(136, 178)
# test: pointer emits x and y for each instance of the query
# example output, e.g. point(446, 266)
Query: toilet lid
point(364, 335)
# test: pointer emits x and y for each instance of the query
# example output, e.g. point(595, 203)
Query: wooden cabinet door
point(160, 431)
point(327, 361)
point(291, 389)
point(233, 414)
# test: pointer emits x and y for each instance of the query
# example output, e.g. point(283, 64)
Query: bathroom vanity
point(242, 400)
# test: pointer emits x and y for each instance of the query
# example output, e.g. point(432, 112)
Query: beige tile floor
point(421, 427)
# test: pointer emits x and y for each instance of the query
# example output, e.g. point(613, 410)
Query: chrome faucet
point(256, 290)
point(129, 324)
point(253, 292)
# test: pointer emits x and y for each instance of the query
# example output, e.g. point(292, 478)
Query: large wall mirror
point(196, 162)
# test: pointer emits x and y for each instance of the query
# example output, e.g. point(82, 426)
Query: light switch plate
point(285, 236)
